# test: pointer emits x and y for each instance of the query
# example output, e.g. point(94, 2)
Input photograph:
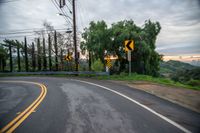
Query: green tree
point(121, 31)
point(3, 58)
point(97, 66)
point(13, 44)
point(145, 60)
point(97, 40)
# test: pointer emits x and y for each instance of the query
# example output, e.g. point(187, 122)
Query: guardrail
point(57, 72)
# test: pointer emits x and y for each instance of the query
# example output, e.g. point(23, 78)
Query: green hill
point(181, 72)
point(172, 66)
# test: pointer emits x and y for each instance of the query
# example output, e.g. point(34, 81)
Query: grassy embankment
point(123, 77)
point(138, 77)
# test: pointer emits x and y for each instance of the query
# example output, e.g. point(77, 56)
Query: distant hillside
point(181, 72)
point(173, 66)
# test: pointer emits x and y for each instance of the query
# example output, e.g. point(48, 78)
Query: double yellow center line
point(11, 126)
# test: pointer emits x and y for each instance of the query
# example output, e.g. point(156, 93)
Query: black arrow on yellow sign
point(68, 57)
point(129, 45)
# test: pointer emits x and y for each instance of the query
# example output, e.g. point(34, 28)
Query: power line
point(54, 3)
point(87, 17)
point(8, 1)
point(57, 8)
point(31, 31)
point(17, 36)
point(63, 11)
point(68, 8)
point(81, 15)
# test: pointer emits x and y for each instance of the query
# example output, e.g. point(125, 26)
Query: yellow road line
point(10, 127)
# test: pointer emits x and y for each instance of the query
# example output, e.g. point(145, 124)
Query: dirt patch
point(184, 97)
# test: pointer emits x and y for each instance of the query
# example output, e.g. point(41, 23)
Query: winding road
point(78, 105)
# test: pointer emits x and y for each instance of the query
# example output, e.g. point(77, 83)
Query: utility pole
point(74, 29)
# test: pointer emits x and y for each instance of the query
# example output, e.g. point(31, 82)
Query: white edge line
point(145, 107)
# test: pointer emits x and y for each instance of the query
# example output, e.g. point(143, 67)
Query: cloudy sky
point(180, 19)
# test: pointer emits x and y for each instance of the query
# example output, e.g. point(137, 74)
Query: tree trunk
point(18, 59)
point(44, 56)
point(33, 57)
point(56, 51)
point(61, 59)
point(26, 54)
point(1, 64)
point(10, 54)
point(90, 62)
point(38, 54)
point(50, 63)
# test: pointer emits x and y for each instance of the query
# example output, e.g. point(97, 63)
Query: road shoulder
point(184, 97)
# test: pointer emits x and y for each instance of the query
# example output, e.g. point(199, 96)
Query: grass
point(36, 75)
point(138, 77)
point(121, 77)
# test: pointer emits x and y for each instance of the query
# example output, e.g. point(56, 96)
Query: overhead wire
point(8, 1)
point(70, 10)
point(59, 11)
point(62, 10)
point(31, 31)
point(81, 15)
point(56, 4)
point(23, 35)
point(87, 15)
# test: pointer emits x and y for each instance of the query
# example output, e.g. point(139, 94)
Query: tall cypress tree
point(10, 54)
point(56, 50)
point(18, 58)
point(33, 57)
point(61, 58)
point(39, 54)
point(26, 55)
point(49, 42)
point(44, 56)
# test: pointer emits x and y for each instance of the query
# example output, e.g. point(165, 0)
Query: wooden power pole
point(74, 29)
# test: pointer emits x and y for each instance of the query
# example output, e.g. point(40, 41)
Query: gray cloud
point(180, 19)
point(179, 50)
point(23, 14)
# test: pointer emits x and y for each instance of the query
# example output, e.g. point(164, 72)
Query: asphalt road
point(88, 106)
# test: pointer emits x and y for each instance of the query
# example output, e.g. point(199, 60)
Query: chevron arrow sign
point(129, 45)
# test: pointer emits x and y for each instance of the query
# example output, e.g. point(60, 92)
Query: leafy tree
point(97, 40)
point(145, 60)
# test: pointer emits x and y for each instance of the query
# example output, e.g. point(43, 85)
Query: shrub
point(97, 66)
point(194, 82)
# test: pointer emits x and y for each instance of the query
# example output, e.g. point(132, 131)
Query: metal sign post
point(129, 61)
point(129, 46)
